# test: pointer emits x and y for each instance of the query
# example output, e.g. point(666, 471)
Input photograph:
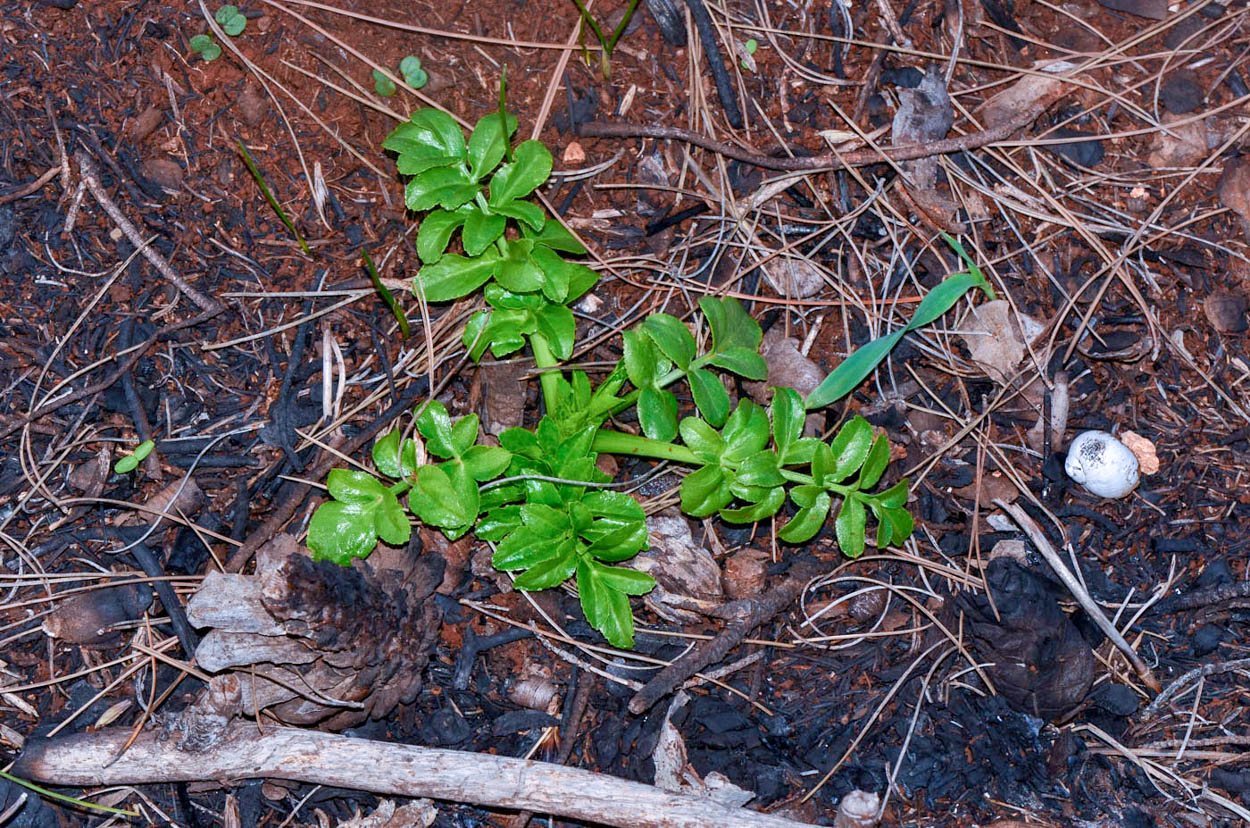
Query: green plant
point(748, 52)
point(414, 75)
point(409, 68)
point(606, 42)
point(232, 22)
point(553, 515)
point(206, 47)
point(383, 85)
point(269, 196)
point(129, 462)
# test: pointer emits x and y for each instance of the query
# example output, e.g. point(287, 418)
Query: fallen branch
point(828, 161)
point(91, 759)
point(92, 179)
point(1182, 682)
point(742, 616)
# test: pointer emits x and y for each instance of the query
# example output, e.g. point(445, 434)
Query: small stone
point(147, 122)
point(1234, 187)
point(1143, 450)
point(252, 105)
point(745, 572)
point(1153, 9)
point(164, 171)
point(574, 154)
point(1226, 311)
point(1180, 92)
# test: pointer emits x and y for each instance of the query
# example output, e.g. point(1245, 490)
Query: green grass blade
point(273, 202)
point(387, 296)
point(67, 799)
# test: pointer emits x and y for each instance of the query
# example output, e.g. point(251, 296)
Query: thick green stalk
point(616, 442)
point(545, 360)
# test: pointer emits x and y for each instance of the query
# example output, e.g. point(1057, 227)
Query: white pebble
point(1102, 464)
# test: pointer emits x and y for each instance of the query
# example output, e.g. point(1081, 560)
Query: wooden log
point(313, 757)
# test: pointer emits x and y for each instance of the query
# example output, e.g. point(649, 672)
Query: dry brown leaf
point(1031, 93)
point(997, 336)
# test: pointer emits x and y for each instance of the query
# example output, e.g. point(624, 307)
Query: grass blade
point(273, 202)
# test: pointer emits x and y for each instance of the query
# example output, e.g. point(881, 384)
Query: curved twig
point(828, 161)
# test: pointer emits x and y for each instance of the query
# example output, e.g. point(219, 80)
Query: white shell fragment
point(1102, 464)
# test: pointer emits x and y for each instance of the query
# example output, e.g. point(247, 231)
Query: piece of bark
point(313, 757)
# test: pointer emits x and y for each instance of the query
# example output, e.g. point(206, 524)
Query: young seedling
point(746, 54)
point(409, 68)
point(383, 85)
point(232, 22)
point(206, 47)
point(386, 295)
point(414, 75)
point(269, 197)
point(129, 462)
point(606, 42)
point(539, 495)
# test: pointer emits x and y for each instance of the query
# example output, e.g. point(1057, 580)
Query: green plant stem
point(546, 362)
point(620, 27)
point(635, 445)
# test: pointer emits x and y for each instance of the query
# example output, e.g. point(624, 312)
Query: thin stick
point(1078, 591)
point(380, 767)
point(1196, 673)
point(92, 178)
point(862, 158)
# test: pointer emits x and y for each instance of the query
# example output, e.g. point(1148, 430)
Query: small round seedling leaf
point(126, 464)
point(231, 21)
point(383, 85)
point(144, 449)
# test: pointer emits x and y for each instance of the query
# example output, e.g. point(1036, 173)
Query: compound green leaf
point(484, 463)
point(556, 236)
point(454, 276)
point(875, 464)
point(559, 328)
point(808, 520)
point(702, 439)
point(487, 143)
point(710, 396)
point(435, 231)
point(672, 337)
point(446, 187)
point(764, 508)
point(517, 270)
point(850, 448)
point(355, 487)
point(850, 526)
point(431, 138)
point(390, 522)
point(743, 361)
point(746, 431)
point(530, 167)
point(788, 417)
point(524, 548)
point(434, 423)
point(703, 492)
point(388, 457)
point(523, 211)
point(341, 531)
point(623, 579)
point(657, 414)
point(480, 231)
point(551, 572)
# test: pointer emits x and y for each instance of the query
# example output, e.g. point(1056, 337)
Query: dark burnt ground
point(880, 675)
